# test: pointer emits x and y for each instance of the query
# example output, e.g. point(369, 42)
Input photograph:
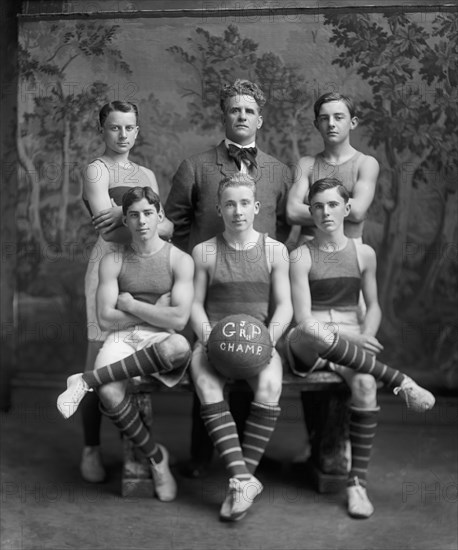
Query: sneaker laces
point(407, 387)
point(80, 390)
point(354, 482)
point(234, 484)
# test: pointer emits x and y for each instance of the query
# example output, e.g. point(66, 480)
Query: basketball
point(239, 346)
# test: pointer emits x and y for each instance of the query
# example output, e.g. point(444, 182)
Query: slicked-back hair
point(121, 106)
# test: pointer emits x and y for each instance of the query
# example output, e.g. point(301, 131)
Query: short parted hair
point(137, 194)
point(328, 183)
point(121, 106)
point(241, 87)
point(237, 180)
point(334, 96)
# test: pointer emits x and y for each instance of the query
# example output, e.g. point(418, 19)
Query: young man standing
point(144, 295)
point(326, 279)
point(335, 119)
point(191, 208)
point(239, 271)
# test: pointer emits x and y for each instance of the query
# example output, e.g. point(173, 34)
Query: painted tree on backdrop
point(57, 134)
point(159, 145)
point(214, 60)
point(412, 120)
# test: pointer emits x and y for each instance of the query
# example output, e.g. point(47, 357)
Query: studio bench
point(325, 404)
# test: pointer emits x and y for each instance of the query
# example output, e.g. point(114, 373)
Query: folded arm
point(170, 314)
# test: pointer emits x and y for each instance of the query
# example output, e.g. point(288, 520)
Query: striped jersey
point(240, 282)
point(334, 278)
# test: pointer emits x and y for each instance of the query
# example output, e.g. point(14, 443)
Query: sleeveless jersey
point(347, 173)
point(240, 282)
point(334, 278)
point(147, 278)
point(121, 180)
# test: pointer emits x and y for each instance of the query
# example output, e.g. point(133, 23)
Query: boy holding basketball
point(239, 271)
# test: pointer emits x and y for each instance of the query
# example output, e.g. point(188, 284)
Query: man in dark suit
point(191, 206)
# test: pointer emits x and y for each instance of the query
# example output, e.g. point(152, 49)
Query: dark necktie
point(239, 154)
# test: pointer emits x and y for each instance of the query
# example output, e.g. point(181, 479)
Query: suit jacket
point(191, 204)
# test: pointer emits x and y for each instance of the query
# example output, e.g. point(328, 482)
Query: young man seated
point(327, 275)
point(144, 295)
point(239, 271)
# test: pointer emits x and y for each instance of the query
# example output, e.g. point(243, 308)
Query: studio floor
point(46, 505)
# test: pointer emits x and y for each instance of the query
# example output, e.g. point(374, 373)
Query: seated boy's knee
point(176, 347)
point(304, 334)
point(269, 391)
point(205, 386)
point(111, 393)
point(364, 385)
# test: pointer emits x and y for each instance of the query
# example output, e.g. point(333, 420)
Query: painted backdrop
point(401, 69)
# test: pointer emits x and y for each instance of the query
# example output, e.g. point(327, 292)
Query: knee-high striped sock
point(223, 432)
point(363, 425)
point(258, 431)
point(349, 355)
point(127, 419)
point(142, 362)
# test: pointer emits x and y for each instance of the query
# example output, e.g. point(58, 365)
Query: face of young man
point(120, 131)
point(334, 122)
point(142, 219)
point(242, 119)
point(329, 210)
point(238, 208)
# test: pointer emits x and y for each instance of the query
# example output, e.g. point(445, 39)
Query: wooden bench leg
point(136, 474)
point(327, 416)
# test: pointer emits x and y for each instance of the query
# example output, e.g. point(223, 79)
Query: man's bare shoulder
point(306, 162)
point(301, 256)
point(276, 249)
point(111, 262)
point(308, 159)
point(179, 257)
point(367, 162)
point(366, 253)
point(203, 252)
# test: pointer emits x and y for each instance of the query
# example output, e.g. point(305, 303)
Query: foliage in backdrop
point(401, 68)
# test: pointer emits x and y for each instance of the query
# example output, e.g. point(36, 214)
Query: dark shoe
point(91, 466)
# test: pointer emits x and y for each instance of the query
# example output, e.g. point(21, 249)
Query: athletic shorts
point(122, 343)
point(346, 322)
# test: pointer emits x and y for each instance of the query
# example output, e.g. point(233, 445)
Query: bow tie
point(247, 154)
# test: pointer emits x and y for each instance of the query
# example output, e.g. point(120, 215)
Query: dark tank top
point(347, 173)
point(147, 278)
point(240, 282)
point(334, 278)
